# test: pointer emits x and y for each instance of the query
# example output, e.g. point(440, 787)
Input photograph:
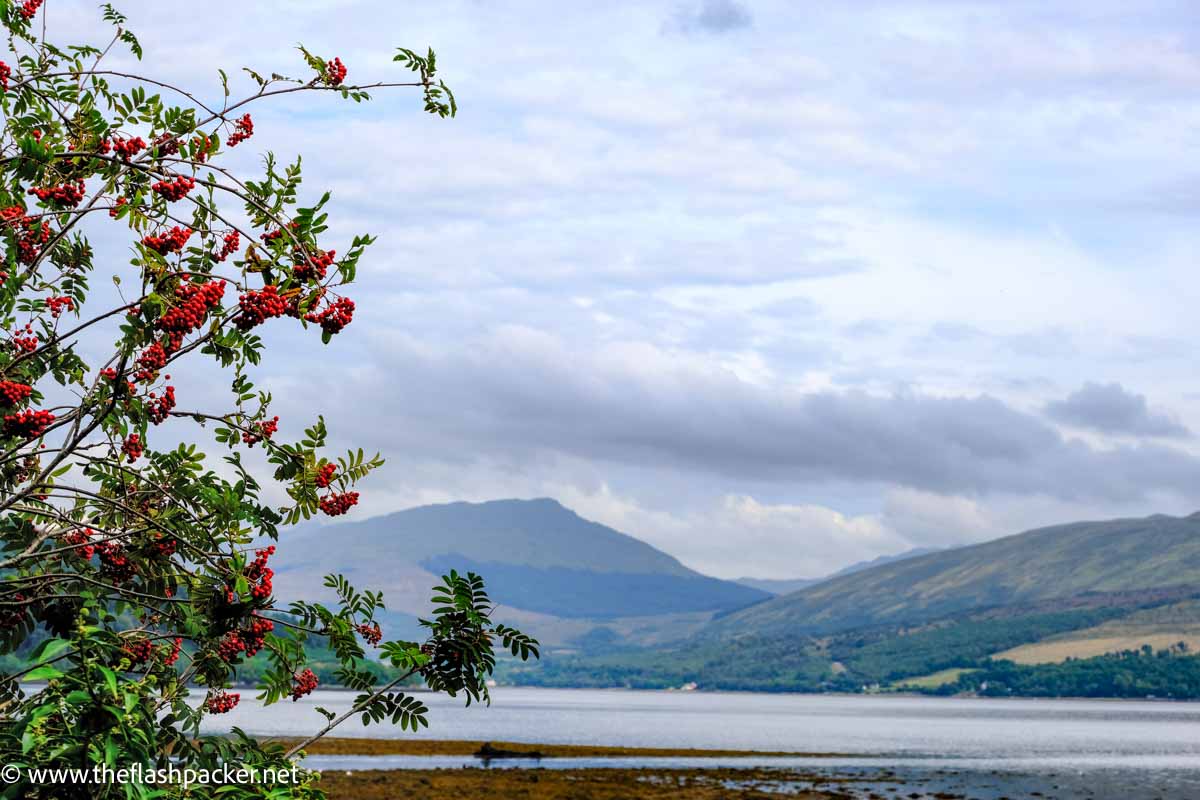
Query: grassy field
point(1159, 627)
point(934, 680)
point(1088, 644)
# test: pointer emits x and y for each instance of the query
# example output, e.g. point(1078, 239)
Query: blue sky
point(776, 286)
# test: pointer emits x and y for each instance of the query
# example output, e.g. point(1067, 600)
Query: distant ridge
point(787, 586)
point(1058, 562)
point(536, 555)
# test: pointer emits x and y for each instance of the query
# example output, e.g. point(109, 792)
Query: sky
point(774, 286)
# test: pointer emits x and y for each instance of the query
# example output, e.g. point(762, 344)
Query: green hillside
point(1122, 592)
point(787, 586)
point(1056, 563)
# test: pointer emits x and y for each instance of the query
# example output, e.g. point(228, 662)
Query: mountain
point(778, 585)
point(1059, 562)
point(554, 572)
point(1101, 609)
point(787, 586)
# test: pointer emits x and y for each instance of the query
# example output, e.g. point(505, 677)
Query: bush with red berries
point(134, 572)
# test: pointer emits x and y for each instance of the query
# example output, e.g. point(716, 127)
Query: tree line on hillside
point(882, 660)
point(1171, 673)
point(891, 655)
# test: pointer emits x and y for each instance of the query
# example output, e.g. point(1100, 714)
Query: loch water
point(1086, 748)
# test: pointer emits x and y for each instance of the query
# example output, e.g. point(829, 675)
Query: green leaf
point(43, 673)
point(110, 679)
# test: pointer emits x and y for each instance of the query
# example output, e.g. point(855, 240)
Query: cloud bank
point(776, 287)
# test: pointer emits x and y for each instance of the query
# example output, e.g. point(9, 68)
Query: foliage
point(890, 655)
point(854, 661)
point(1170, 673)
point(747, 663)
point(131, 566)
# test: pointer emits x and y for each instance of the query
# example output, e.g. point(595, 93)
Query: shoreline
point(751, 693)
point(362, 746)
point(517, 773)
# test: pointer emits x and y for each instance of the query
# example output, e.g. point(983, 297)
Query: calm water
point(1118, 748)
point(1074, 730)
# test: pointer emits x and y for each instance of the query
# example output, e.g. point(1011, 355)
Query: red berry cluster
point(59, 304)
point(229, 246)
point(314, 266)
point(27, 424)
point(243, 130)
point(271, 236)
point(325, 475)
point(139, 652)
point(34, 236)
point(5, 74)
point(195, 301)
point(108, 373)
point(115, 562)
point(266, 430)
point(337, 504)
point(163, 545)
point(127, 148)
point(310, 301)
point(335, 316)
point(13, 393)
point(258, 307)
point(68, 195)
point(27, 343)
point(12, 613)
point(170, 242)
point(248, 640)
point(167, 145)
point(13, 610)
point(172, 655)
point(160, 407)
point(31, 234)
point(116, 209)
point(152, 359)
point(335, 72)
point(221, 702)
point(254, 636)
point(132, 448)
point(82, 541)
point(176, 189)
point(29, 8)
point(202, 145)
point(371, 633)
point(305, 682)
point(230, 647)
point(259, 574)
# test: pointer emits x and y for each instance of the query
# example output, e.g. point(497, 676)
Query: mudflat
point(568, 784)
